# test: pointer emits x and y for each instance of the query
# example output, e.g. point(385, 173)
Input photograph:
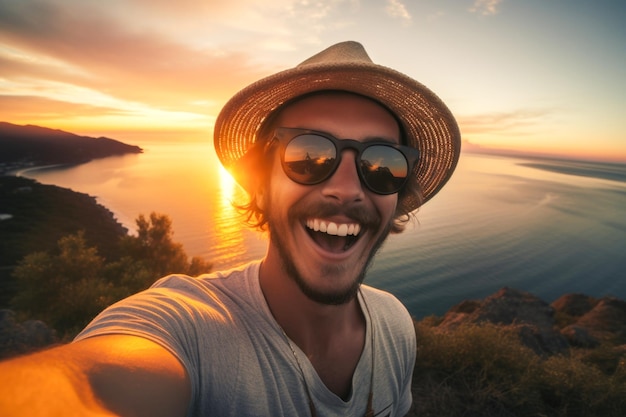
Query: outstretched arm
point(114, 375)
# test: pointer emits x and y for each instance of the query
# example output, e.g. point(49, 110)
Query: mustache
point(361, 214)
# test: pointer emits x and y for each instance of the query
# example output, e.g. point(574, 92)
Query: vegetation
point(484, 370)
point(68, 286)
point(69, 259)
point(43, 214)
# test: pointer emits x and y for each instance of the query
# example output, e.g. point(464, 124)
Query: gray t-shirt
point(238, 359)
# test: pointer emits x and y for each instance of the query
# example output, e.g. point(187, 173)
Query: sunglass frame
point(284, 135)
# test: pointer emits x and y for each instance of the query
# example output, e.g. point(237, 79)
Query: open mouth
point(333, 237)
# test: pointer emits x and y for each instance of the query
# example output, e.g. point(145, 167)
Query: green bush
point(70, 285)
point(63, 289)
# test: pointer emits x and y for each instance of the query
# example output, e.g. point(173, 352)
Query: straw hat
point(427, 123)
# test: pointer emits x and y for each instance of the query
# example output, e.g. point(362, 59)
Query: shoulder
point(176, 303)
point(394, 341)
point(383, 301)
point(388, 313)
point(242, 276)
point(214, 289)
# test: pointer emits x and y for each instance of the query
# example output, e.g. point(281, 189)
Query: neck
point(332, 337)
point(311, 325)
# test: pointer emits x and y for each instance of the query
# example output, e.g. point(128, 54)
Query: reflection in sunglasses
point(310, 158)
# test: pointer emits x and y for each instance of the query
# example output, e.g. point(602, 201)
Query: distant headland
point(28, 146)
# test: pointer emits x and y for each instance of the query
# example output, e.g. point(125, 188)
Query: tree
point(70, 285)
point(155, 248)
point(64, 289)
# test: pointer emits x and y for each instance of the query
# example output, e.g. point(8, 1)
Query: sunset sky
point(544, 76)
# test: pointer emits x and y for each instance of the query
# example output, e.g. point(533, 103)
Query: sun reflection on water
point(232, 237)
point(540, 225)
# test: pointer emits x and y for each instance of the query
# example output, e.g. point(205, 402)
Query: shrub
point(68, 286)
point(484, 370)
point(474, 370)
point(64, 288)
point(571, 388)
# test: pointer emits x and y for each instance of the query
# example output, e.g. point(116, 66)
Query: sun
point(228, 185)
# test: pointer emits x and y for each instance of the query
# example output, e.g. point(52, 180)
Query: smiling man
point(327, 265)
point(335, 154)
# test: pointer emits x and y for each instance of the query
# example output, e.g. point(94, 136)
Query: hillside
point(510, 354)
point(34, 216)
point(33, 145)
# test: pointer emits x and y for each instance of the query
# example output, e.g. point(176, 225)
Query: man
point(334, 154)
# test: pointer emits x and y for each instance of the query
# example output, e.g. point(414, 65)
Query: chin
point(330, 274)
point(326, 283)
point(330, 297)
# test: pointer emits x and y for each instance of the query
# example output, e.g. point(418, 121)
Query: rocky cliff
point(573, 320)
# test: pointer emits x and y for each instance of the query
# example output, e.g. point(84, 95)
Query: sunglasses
point(309, 157)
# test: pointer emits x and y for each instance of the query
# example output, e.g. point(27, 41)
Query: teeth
point(332, 228)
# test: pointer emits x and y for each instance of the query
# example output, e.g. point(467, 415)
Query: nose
point(345, 185)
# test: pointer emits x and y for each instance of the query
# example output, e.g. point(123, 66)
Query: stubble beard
point(340, 296)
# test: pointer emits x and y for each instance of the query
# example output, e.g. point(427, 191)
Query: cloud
point(46, 43)
point(517, 122)
point(167, 53)
point(396, 9)
point(31, 108)
point(485, 7)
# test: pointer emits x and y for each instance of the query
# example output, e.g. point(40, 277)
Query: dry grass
point(483, 370)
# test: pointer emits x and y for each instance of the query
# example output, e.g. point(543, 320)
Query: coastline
point(22, 170)
point(496, 225)
point(40, 215)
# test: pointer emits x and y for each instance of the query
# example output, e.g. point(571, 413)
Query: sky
point(533, 76)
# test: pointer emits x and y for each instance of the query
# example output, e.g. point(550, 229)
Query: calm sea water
point(545, 226)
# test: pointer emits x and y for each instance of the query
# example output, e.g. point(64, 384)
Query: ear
point(260, 197)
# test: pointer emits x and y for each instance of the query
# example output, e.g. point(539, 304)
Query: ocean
point(545, 226)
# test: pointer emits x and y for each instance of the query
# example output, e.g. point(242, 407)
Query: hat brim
point(428, 124)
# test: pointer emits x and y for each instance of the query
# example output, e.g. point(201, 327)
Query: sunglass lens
point(384, 168)
point(309, 159)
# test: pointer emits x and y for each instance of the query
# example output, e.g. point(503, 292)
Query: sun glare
point(228, 184)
